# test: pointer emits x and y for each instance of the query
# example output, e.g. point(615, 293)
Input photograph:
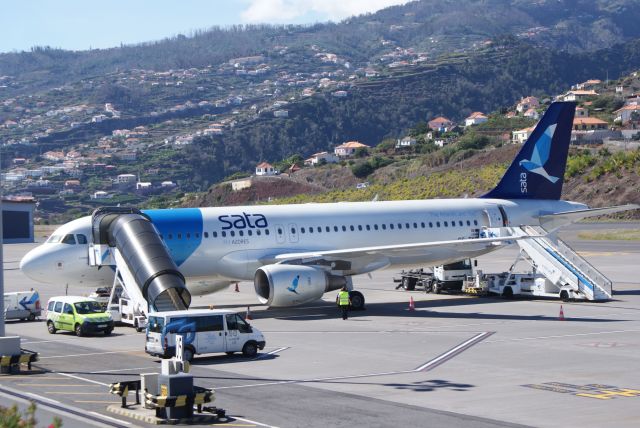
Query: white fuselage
point(214, 247)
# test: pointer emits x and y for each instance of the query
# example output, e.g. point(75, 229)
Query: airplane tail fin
point(537, 172)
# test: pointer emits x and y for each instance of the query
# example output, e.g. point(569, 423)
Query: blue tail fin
point(538, 170)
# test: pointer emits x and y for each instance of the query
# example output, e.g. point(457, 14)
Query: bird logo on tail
point(540, 155)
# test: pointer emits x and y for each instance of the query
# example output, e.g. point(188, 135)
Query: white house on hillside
point(520, 136)
point(265, 168)
point(348, 148)
point(527, 103)
point(475, 118)
point(319, 157)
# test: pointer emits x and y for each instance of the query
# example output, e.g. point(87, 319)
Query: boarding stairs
point(561, 265)
point(126, 241)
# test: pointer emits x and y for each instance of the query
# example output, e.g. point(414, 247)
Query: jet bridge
point(571, 274)
point(126, 239)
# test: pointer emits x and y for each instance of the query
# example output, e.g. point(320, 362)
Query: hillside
point(604, 179)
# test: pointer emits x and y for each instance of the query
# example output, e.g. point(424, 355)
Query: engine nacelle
point(291, 285)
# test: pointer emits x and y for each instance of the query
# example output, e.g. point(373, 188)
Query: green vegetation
point(11, 417)
point(611, 235)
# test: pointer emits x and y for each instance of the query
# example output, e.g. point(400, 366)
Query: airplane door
point(293, 232)
point(503, 214)
point(280, 238)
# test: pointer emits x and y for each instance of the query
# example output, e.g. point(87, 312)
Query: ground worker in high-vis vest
point(344, 301)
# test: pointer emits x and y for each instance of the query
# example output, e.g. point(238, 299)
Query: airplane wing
point(390, 250)
point(554, 221)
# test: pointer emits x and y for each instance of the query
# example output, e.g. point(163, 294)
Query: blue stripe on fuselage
point(175, 225)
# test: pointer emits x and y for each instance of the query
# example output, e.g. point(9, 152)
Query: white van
point(24, 305)
point(204, 331)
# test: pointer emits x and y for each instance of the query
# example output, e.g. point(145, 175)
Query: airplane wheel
point(357, 300)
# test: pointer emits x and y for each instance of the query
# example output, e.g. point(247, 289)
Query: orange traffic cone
point(237, 288)
point(561, 317)
point(412, 304)
point(248, 315)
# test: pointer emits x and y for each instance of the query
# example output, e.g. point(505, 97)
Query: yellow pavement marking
point(55, 384)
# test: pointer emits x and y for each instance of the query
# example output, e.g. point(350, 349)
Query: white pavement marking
point(430, 364)
point(250, 421)
point(275, 351)
point(40, 397)
point(110, 418)
point(124, 351)
point(454, 351)
point(560, 336)
point(123, 370)
point(82, 378)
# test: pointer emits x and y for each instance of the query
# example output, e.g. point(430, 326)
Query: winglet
point(537, 172)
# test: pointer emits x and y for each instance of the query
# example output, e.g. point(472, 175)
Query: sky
point(91, 24)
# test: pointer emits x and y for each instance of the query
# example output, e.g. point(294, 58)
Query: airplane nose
point(33, 264)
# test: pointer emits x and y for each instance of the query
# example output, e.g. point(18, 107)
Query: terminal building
point(17, 220)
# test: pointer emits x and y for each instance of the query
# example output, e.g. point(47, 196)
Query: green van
point(78, 314)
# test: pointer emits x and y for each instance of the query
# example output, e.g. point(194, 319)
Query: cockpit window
point(54, 239)
point(82, 239)
point(69, 239)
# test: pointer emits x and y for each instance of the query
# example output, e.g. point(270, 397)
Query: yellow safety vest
point(343, 298)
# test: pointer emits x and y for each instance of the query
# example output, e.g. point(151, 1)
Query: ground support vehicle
point(449, 277)
point(204, 332)
point(78, 314)
point(23, 305)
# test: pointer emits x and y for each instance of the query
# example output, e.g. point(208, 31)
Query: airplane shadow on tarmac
point(423, 309)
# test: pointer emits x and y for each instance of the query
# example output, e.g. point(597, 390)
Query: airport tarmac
point(455, 361)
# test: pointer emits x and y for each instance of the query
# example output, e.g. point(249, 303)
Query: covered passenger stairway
point(572, 274)
point(125, 239)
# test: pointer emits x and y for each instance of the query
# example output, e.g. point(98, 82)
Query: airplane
point(296, 253)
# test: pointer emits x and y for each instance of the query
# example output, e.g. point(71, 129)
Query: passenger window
point(360, 227)
point(475, 222)
point(210, 323)
point(249, 232)
point(368, 227)
point(82, 239)
point(328, 229)
point(344, 228)
point(258, 232)
point(232, 233)
point(68, 309)
point(399, 225)
point(232, 323)
point(266, 231)
point(69, 239)
point(302, 230)
point(279, 231)
point(437, 224)
point(58, 307)
point(224, 234)
point(460, 223)
point(375, 226)
point(188, 236)
point(352, 228)
point(335, 228)
point(179, 235)
point(243, 326)
point(468, 223)
point(215, 234)
point(384, 227)
point(311, 230)
point(293, 230)
point(206, 234)
point(319, 229)
point(241, 233)
point(50, 306)
point(430, 224)
point(197, 235)
point(423, 225)
point(446, 224)
point(390, 226)
point(170, 236)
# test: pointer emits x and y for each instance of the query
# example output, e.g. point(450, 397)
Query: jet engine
point(290, 285)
